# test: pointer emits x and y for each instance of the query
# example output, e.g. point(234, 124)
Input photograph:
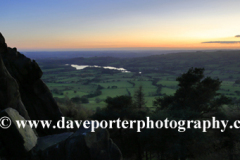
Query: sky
point(120, 24)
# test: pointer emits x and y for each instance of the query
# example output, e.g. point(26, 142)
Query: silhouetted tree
point(196, 97)
point(138, 96)
point(195, 93)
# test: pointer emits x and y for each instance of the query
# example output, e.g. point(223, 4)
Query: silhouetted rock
point(48, 141)
point(3, 45)
point(35, 95)
point(9, 92)
point(83, 144)
point(23, 95)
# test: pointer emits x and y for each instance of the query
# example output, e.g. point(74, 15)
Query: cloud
point(223, 42)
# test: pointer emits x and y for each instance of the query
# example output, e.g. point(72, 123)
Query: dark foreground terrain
point(24, 96)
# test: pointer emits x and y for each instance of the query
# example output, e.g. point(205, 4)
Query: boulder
point(51, 140)
point(101, 147)
point(83, 144)
point(17, 141)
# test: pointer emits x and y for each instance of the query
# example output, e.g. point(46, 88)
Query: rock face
point(25, 77)
point(9, 92)
point(24, 96)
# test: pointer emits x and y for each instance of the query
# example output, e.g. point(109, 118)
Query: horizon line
point(125, 49)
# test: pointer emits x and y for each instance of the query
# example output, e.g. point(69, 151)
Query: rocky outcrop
point(24, 96)
point(9, 92)
point(23, 75)
point(3, 45)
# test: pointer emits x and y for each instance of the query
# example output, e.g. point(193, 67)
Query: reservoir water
point(79, 67)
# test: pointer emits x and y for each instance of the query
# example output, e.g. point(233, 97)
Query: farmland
point(150, 72)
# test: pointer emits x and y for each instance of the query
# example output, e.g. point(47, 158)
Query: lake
point(79, 67)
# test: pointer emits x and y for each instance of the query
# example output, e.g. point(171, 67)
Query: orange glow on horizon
point(109, 45)
point(146, 40)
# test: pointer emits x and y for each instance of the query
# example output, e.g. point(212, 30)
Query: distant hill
point(96, 53)
point(222, 62)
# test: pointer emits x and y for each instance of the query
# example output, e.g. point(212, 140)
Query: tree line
point(196, 98)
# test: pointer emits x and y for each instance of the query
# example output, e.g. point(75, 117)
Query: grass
point(71, 82)
point(168, 91)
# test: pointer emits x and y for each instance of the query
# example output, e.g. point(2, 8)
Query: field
point(162, 70)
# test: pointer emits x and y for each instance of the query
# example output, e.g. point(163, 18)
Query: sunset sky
point(91, 24)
